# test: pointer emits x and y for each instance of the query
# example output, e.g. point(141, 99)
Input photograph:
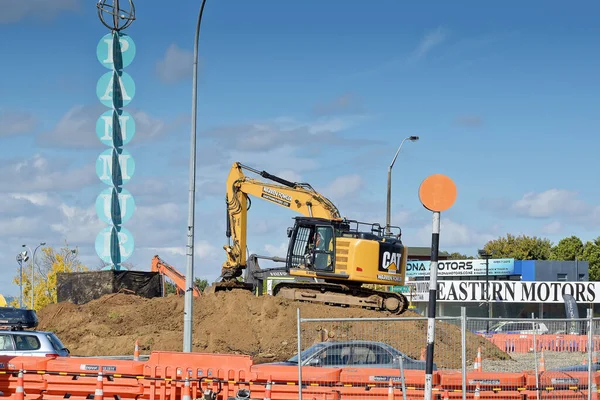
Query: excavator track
point(342, 295)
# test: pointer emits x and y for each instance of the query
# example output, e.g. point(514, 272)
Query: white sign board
point(496, 266)
point(509, 291)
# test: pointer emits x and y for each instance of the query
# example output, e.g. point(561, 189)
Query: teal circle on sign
point(115, 211)
point(111, 237)
point(104, 50)
point(105, 128)
point(120, 175)
point(104, 89)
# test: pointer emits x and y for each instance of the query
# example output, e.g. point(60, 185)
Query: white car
point(518, 327)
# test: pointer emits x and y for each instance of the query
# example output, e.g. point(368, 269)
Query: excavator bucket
point(228, 285)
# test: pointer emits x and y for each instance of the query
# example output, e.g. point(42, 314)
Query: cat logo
point(392, 267)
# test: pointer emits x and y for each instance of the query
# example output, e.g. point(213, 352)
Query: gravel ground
point(526, 361)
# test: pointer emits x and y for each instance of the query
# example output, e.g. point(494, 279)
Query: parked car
point(16, 341)
point(355, 353)
point(517, 327)
point(31, 343)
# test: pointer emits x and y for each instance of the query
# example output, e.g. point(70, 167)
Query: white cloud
point(343, 186)
point(77, 128)
point(549, 203)
point(41, 174)
point(552, 228)
point(452, 234)
point(13, 122)
point(176, 65)
point(14, 11)
point(429, 42)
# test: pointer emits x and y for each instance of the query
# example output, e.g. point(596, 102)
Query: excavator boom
point(170, 272)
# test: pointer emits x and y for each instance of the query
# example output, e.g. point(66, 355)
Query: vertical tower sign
point(115, 128)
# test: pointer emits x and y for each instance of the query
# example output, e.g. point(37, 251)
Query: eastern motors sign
point(509, 291)
point(497, 266)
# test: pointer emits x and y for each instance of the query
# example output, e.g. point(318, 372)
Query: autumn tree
point(47, 266)
point(568, 249)
point(520, 247)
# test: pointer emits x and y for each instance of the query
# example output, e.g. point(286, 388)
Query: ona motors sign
point(497, 266)
point(509, 291)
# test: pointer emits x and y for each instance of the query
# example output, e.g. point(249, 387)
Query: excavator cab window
point(323, 250)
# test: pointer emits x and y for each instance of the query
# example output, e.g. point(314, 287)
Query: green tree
point(520, 247)
point(568, 249)
point(201, 284)
point(591, 254)
point(459, 256)
point(47, 267)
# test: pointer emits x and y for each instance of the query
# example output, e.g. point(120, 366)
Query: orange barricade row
point(516, 343)
point(175, 376)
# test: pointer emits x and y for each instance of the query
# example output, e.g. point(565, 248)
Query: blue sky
point(503, 96)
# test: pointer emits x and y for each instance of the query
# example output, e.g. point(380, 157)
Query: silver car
point(31, 343)
point(357, 354)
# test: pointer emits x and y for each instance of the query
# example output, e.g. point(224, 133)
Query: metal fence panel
point(375, 357)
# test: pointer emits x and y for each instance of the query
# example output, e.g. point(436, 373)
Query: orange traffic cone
point(542, 367)
point(268, 389)
point(136, 351)
point(391, 390)
point(476, 394)
point(477, 365)
point(99, 394)
point(423, 353)
point(446, 395)
point(186, 390)
point(20, 392)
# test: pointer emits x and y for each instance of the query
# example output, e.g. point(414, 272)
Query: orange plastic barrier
point(34, 383)
point(516, 343)
point(163, 378)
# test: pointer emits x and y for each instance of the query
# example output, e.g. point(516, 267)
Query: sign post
point(437, 193)
point(115, 128)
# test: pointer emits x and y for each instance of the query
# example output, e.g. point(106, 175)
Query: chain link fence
point(473, 357)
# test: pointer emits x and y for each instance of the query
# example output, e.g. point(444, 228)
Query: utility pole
point(486, 255)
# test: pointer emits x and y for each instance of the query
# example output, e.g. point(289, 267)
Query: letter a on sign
point(437, 193)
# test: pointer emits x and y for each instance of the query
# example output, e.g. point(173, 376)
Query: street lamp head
point(413, 138)
point(43, 244)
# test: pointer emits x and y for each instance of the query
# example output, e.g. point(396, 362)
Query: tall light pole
point(33, 270)
point(189, 275)
point(484, 254)
point(21, 257)
point(388, 216)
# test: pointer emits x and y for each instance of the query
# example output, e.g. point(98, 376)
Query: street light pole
point(20, 258)
point(189, 276)
point(33, 271)
point(389, 185)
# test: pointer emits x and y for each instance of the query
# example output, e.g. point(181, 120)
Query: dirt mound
point(238, 322)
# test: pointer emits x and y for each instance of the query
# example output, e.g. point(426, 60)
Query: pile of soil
point(238, 322)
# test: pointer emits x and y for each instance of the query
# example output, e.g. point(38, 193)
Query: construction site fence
point(499, 358)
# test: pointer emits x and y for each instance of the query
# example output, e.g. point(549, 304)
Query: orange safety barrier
point(177, 376)
point(517, 343)
point(34, 384)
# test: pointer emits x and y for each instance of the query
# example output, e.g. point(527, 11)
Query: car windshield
point(307, 353)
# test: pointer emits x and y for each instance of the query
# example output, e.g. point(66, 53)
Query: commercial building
point(515, 288)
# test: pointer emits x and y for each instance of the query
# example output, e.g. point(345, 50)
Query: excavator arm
point(170, 272)
point(298, 197)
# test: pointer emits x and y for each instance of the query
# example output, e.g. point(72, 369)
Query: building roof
point(423, 252)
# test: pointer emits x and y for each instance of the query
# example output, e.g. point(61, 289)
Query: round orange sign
point(437, 193)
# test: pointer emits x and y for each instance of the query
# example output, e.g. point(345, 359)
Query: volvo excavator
point(341, 255)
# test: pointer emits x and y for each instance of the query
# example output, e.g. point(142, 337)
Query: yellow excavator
point(341, 255)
